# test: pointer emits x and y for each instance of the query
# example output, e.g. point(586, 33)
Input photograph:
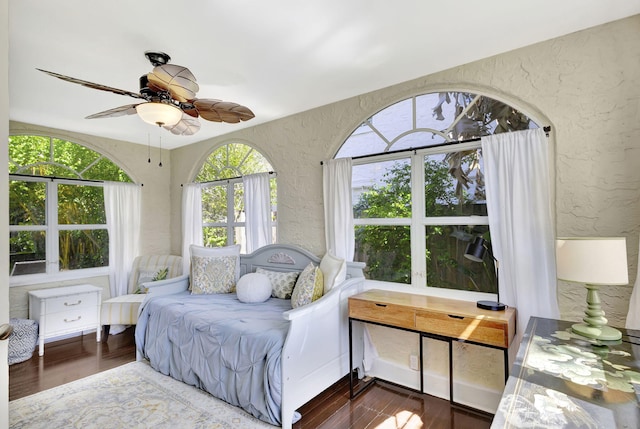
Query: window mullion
point(230, 214)
point(418, 240)
point(52, 237)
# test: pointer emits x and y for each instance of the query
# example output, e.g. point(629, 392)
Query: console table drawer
point(382, 312)
point(465, 328)
point(72, 302)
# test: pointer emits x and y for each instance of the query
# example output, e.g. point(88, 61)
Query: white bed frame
point(316, 350)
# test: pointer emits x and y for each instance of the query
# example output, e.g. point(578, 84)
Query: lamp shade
point(596, 261)
point(161, 114)
point(476, 250)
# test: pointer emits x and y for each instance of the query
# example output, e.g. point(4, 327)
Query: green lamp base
point(605, 333)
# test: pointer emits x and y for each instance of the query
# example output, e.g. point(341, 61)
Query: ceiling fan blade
point(129, 109)
point(178, 80)
point(222, 111)
point(186, 127)
point(92, 85)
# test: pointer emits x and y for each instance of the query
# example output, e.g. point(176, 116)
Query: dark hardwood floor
point(381, 406)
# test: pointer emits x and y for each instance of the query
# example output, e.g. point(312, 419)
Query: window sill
point(462, 295)
point(32, 279)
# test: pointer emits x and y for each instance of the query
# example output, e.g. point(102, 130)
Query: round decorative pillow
point(253, 287)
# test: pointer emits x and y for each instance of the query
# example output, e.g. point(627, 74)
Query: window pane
point(74, 156)
point(446, 265)
point(393, 120)
point(454, 184)
point(27, 252)
point(214, 236)
point(214, 204)
point(31, 151)
point(105, 170)
point(83, 249)
point(382, 189)
point(386, 250)
point(81, 205)
point(27, 203)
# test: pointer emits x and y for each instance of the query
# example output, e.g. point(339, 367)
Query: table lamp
point(476, 252)
point(594, 262)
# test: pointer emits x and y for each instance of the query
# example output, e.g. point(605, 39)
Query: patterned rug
point(130, 396)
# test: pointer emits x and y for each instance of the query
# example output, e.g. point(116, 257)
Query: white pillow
point(253, 287)
point(214, 269)
point(334, 270)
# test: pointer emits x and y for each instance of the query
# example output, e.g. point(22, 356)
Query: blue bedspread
point(216, 343)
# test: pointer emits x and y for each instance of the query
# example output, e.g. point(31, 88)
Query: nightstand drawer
point(73, 320)
point(72, 303)
point(465, 328)
point(382, 312)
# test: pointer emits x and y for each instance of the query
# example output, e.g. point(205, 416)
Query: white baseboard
point(473, 395)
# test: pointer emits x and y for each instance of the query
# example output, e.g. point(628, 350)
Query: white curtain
point(523, 239)
point(257, 206)
point(338, 208)
point(191, 221)
point(122, 202)
point(633, 315)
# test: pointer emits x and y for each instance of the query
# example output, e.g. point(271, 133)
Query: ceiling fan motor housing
point(157, 58)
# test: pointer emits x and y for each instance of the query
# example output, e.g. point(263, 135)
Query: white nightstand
point(65, 310)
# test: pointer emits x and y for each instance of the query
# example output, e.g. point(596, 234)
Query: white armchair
point(147, 277)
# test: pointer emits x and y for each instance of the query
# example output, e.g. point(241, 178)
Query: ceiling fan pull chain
point(160, 163)
point(149, 147)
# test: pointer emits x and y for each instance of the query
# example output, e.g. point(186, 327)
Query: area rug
point(130, 396)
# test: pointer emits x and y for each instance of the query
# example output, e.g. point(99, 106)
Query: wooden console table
point(436, 318)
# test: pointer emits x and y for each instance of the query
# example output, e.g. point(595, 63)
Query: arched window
point(223, 217)
point(56, 205)
point(418, 188)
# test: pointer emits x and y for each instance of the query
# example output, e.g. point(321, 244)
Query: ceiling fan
point(168, 99)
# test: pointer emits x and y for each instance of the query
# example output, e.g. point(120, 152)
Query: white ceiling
point(277, 57)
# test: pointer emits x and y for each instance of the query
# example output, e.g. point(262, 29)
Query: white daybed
point(315, 349)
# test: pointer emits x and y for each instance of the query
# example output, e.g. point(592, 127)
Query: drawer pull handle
point(73, 303)
point(381, 305)
point(454, 316)
point(73, 320)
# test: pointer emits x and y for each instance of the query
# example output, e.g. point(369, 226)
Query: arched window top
point(51, 157)
point(232, 160)
point(433, 119)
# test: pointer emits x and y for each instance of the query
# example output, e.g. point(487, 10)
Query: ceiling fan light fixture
point(160, 114)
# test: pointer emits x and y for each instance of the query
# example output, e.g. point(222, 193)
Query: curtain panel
point(338, 208)
point(122, 202)
point(257, 207)
point(520, 219)
point(191, 221)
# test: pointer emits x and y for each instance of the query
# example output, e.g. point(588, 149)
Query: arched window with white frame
point(418, 188)
point(57, 217)
point(223, 211)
